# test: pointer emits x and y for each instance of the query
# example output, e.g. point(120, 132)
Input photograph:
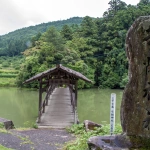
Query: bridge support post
point(48, 94)
point(44, 107)
point(40, 100)
point(76, 97)
point(71, 95)
point(76, 92)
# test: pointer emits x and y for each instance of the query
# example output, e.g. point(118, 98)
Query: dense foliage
point(49, 50)
point(15, 42)
point(95, 48)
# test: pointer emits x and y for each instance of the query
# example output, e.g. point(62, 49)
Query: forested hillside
point(14, 43)
point(96, 48)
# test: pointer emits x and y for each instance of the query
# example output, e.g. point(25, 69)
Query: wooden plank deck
point(59, 112)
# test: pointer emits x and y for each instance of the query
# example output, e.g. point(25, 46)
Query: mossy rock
point(140, 142)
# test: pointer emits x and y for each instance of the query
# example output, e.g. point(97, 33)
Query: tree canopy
point(96, 47)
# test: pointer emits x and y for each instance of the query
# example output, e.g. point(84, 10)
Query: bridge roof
point(58, 68)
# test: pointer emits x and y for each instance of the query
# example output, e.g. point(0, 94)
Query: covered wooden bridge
point(59, 107)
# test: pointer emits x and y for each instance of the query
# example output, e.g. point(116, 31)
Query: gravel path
point(35, 139)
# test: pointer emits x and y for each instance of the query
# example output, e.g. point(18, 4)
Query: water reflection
point(94, 105)
point(18, 105)
point(21, 105)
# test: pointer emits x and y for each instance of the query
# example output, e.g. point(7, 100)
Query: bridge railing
point(45, 102)
point(73, 102)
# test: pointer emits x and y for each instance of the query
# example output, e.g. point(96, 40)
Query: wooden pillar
point(40, 100)
point(76, 92)
point(45, 89)
point(71, 96)
point(76, 99)
point(48, 94)
point(44, 104)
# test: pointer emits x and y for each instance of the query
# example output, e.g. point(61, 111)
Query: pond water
point(21, 105)
point(94, 104)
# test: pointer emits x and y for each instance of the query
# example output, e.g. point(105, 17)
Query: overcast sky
point(16, 14)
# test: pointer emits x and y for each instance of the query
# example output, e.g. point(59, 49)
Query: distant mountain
point(17, 41)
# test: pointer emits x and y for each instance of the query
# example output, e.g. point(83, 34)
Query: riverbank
point(31, 139)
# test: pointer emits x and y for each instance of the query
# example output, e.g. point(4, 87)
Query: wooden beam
point(62, 81)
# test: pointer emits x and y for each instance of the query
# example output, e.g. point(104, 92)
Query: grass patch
point(2, 128)
point(1, 125)
point(4, 131)
point(82, 136)
point(25, 140)
point(29, 124)
point(4, 148)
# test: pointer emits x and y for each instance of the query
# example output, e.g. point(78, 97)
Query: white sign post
point(112, 112)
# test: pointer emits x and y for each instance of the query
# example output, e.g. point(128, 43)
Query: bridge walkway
point(59, 111)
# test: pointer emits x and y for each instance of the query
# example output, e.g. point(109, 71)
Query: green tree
point(145, 2)
point(87, 27)
point(66, 32)
point(115, 6)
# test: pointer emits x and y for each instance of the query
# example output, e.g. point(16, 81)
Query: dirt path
point(35, 139)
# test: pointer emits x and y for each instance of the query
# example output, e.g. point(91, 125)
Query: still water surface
point(21, 105)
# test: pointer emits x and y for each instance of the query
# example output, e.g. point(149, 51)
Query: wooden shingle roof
point(68, 71)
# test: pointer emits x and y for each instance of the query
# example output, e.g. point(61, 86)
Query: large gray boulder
point(135, 106)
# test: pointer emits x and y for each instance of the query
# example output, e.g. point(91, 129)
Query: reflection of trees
point(94, 105)
point(21, 105)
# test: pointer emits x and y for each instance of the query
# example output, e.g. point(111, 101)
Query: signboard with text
point(112, 112)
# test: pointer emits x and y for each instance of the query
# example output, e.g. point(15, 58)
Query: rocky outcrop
point(89, 125)
point(135, 107)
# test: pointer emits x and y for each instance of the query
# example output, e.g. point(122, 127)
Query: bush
point(5, 64)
